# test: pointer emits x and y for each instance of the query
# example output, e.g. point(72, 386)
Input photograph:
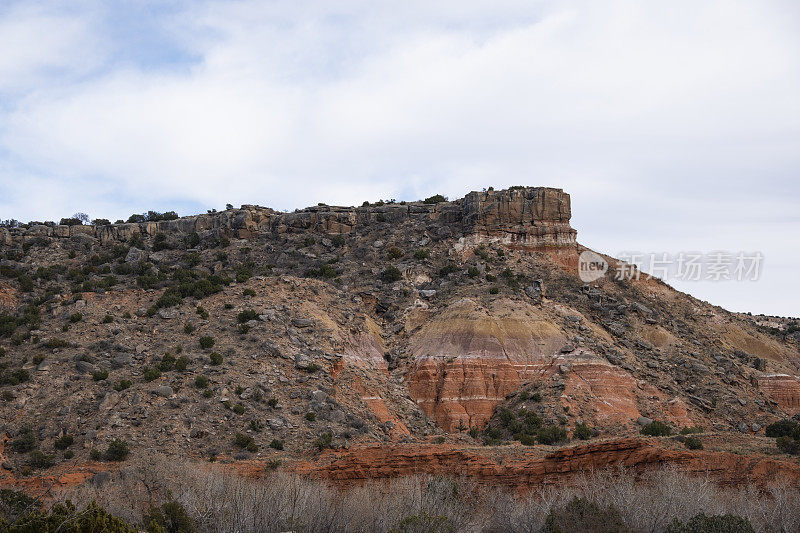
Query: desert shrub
point(22, 514)
point(243, 440)
point(788, 445)
point(63, 442)
point(585, 516)
point(122, 385)
point(246, 316)
point(322, 271)
point(206, 342)
point(39, 459)
point(95, 455)
point(311, 416)
point(181, 363)
point(25, 441)
point(276, 444)
point(117, 450)
point(312, 367)
point(693, 443)
point(448, 269)
point(238, 409)
point(216, 358)
point(551, 434)
point(391, 274)
point(167, 362)
point(421, 253)
point(242, 273)
point(188, 328)
point(75, 317)
point(656, 428)
point(171, 517)
point(151, 374)
point(100, 375)
point(473, 272)
point(54, 342)
point(494, 290)
point(160, 242)
point(201, 382)
point(272, 402)
point(108, 319)
point(583, 432)
point(783, 428)
point(393, 252)
point(248, 292)
point(324, 441)
point(435, 199)
point(701, 523)
point(192, 240)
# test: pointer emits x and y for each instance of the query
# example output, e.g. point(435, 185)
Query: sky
point(674, 126)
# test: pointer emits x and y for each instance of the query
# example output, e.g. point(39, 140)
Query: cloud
point(659, 119)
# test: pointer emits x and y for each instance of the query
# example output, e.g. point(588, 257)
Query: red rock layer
point(783, 389)
point(469, 358)
point(382, 462)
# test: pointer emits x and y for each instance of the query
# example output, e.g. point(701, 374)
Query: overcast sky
point(674, 126)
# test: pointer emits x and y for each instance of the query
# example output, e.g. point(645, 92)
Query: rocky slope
point(219, 335)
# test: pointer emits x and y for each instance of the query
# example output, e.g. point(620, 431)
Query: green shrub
point(311, 417)
point(207, 342)
point(583, 432)
point(656, 428)
point(95, 455)
point(108, 319)
point(393, 252)
point(448, 269)
point(494, 290)
point(324, 441)
point(122, 385)
point(246, 316)
point(391, 274)
point(151, 374)
point(75, 317)
point(701, 523)
point(551, 434)
point(63, 442)
point(201, 382)
point(216, 358)
point(421, 253)
point(25, 441)
point(117, 450)
point(272, 402)
point(248, 292)
point(693, 443)
point(473, 272)
point(435, 199)
point(171, 517)
point(243, 440)
point(238, 409)
point(276, 444)
point(783, 428)
point(188, 328)
point(585, 516)
point(181, 363)
point(100, 375)
point(39, 459)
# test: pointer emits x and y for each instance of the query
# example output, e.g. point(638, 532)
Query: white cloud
point(636, 109)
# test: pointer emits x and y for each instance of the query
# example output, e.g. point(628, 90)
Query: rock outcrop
point(529, 216)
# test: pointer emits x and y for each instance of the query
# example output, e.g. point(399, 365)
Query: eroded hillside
point(256, 334)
